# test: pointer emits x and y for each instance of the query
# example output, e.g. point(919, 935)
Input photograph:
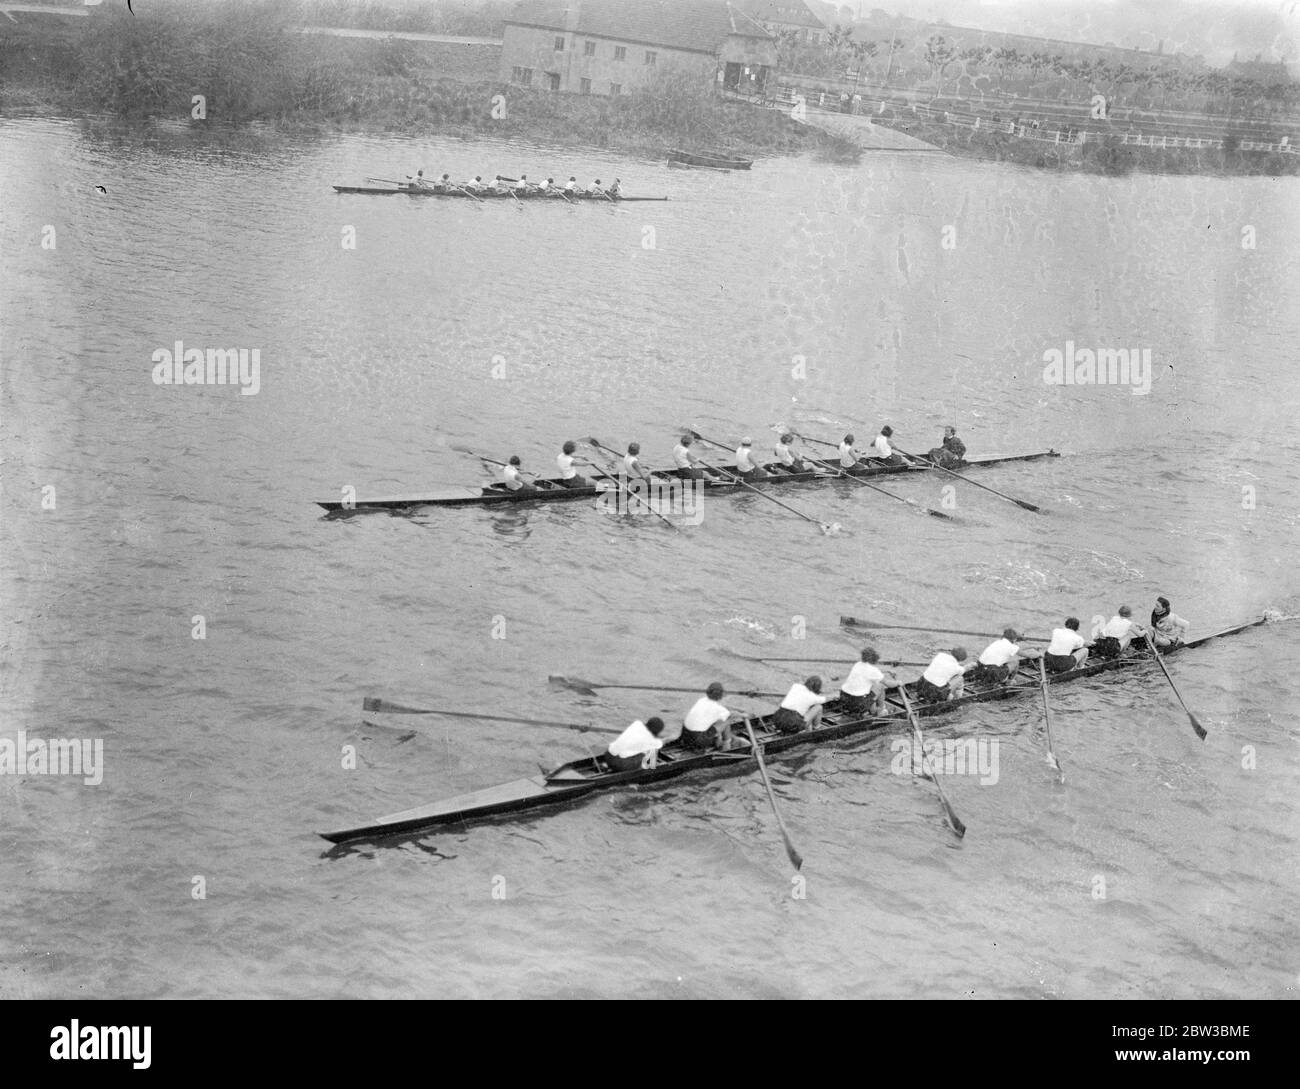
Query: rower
point(523, 185)
point(848, 456)
point(614, 190)
point(500, 185)
point(594, 189)
point(418, 181)
point(548, 186)
point(444, 183)
point(512, 476)
point(632, 462)
point(571, 186)
point(705, 725)
point(685, 460)
point(1067, 650)
point(568, 474)
point(863, 690)
point(802, 707)
point(786, 459)
point(1116, 634)
point(636, 747)
point(1167, 627)
point(748, 468)
point(950, 453)
point(1000, 660)
point(943, 678)
point(883, 451)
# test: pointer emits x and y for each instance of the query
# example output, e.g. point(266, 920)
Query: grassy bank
point(250, 63)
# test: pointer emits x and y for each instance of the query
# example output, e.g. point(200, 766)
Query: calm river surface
point(509, 329)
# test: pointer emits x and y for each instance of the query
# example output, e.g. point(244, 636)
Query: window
point(616, 88)
point(522, 76)
point(588, 49)
point(553, 78)
point(584, 85)
point(620, 52)
point(650, 57)
point(559, 43)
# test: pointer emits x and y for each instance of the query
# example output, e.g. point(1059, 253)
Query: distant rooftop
point(789, 12)
point(699, 26)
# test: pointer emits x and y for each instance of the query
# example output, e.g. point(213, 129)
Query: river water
point(913, 289)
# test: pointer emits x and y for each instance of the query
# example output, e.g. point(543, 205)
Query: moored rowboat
point(580, 778)
point(677, 157)
point(554, 491)
point(562, 198)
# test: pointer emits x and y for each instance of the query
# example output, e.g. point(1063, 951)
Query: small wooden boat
point(580, 778)
point(707, 160)
point(490, 194)
point(553, 490)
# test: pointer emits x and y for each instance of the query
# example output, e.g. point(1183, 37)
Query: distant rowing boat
point(580, 778)
point(677, 157)
point(551, 490)
point(490, 194)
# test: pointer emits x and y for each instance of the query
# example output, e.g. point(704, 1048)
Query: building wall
point(534, 48)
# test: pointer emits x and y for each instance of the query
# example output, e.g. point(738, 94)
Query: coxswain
point(848, 456)
point(512, 476)
point(687, 464)
point(1167, 627)
point(863, 690)
point(943, 678)
point(632, 462)
point(802, 707)
point(1000, 660)
point(571, 186)
point(786, 459)
point(1116, 634)
point(746, 466)
point(636, 747)
point(1067, 650)
point(883, 451)
point(705, 725)
point(615, 190)
point(568, 474)
point(950, 453)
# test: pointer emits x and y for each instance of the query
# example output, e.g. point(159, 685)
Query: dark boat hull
point(676, 157)
point(560, 198)
point(573, 781)
point(554, 491)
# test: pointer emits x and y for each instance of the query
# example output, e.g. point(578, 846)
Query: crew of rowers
point(521, 186)
point(688, 465)
point(706, 725)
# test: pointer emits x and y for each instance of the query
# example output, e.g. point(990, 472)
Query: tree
point(939, 53)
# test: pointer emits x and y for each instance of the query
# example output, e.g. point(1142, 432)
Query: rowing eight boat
point(550, 490)
point(491, 194)
point(583, 777)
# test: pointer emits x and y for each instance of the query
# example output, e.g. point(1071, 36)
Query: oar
point(375, 705)
point(827, 528)
point(386, 181)
point(796, 859)
point(954, 822)
point(462, 189)
point(855, 622)
point(839, 661)
point(1009, 498)
point(1200, 730)
point(632, 495)
point(589, 687)
point(1047, 716)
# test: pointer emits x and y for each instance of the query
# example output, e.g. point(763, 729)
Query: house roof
point(699, 26)
point(784, 12)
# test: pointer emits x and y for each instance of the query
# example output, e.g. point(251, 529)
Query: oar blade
point(954, 821)
point(573, 684)
point(375, 705)
point(1196, 725)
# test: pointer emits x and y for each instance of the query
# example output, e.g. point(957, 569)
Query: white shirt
point(860, 679)
point(744, 459)
point(882, 447)
point(999, 653)
point(783, 454)
point(943, 669)
point(801, 699)
point(632, 464)
point(1065, 641)
point(634, 741)
point(567, 472)
point(571, 187)
point(512, 478)
point(1169, 622)
point(848, 458)
point(704, 714)
point(1119, 627)
point(682, 456)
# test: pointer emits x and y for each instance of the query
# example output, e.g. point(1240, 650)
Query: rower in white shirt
point(444, 183)
point(688, 465)
point(943, 679)
point(786, 459)
point(848, 456)
point(802, 707)
point(514, 478)
point(568, 474)
point(475, 184)
point(632, 463)
point(1067, 650)
point(863, 690)
point(523, 185)
point(1116, 634)
point(748, 468)
point(1000, 660)
point(636, 747)
point(571, 186)
point(1168, 629)
point(705, 725)
point(883, 450)
point(418, 181)
point(595, 189)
